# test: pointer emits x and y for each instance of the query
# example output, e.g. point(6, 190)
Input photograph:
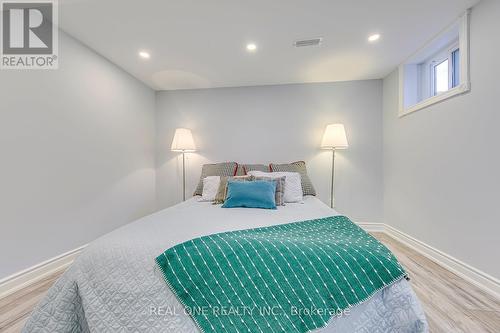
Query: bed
point(115, 285)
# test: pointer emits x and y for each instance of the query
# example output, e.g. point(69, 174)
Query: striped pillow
point(279, 194)
point(220, 197)
point(300, 167)
point(219, 169)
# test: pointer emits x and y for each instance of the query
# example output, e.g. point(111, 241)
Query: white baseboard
point(36, 273)
point(480, 279)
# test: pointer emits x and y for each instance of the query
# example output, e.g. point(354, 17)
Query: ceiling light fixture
point(144, 55)
point(374, 38)
point(251, 47)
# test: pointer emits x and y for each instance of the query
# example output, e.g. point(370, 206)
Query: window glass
point(441, 77)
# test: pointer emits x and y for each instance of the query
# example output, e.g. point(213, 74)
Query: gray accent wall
point(76, 155)
point(281, 123)
point(442, 163)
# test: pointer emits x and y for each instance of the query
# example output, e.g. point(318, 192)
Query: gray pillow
point(255, 167)
point(240, 171)
point(220, 197)
point(279, 196)
point(224, 169)
point(300, 167)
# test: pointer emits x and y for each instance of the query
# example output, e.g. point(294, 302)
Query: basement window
point(438, 71)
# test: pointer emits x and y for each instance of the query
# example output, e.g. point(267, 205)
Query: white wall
point(279, 124)
point(442, 163)
point(76, 155)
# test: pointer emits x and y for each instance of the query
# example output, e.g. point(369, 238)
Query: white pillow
point(210, 188)
point(293, 184)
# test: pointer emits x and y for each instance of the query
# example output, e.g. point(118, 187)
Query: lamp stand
point(333, 178)
point(183, 175)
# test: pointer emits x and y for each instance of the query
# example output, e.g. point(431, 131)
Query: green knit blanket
point(286, 278)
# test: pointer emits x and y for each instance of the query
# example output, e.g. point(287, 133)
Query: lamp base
point(183, 176)
point(333, 179)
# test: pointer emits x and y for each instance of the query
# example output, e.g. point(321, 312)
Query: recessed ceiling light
point(251, 47)
point(374, 38)
point(144, 55)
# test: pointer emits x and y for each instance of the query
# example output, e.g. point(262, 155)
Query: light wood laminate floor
point(450, 303)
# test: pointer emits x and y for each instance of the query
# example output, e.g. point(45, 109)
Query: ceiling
point(202, 44)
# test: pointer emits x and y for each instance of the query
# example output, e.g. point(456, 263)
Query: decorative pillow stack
point(290, 183)
point(300, 167)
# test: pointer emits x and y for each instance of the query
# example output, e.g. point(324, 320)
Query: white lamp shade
point(183, 140)
point(334, 137)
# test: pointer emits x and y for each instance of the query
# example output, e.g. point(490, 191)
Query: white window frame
point(463, 87)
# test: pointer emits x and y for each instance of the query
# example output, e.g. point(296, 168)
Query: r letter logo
point(29, 35)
